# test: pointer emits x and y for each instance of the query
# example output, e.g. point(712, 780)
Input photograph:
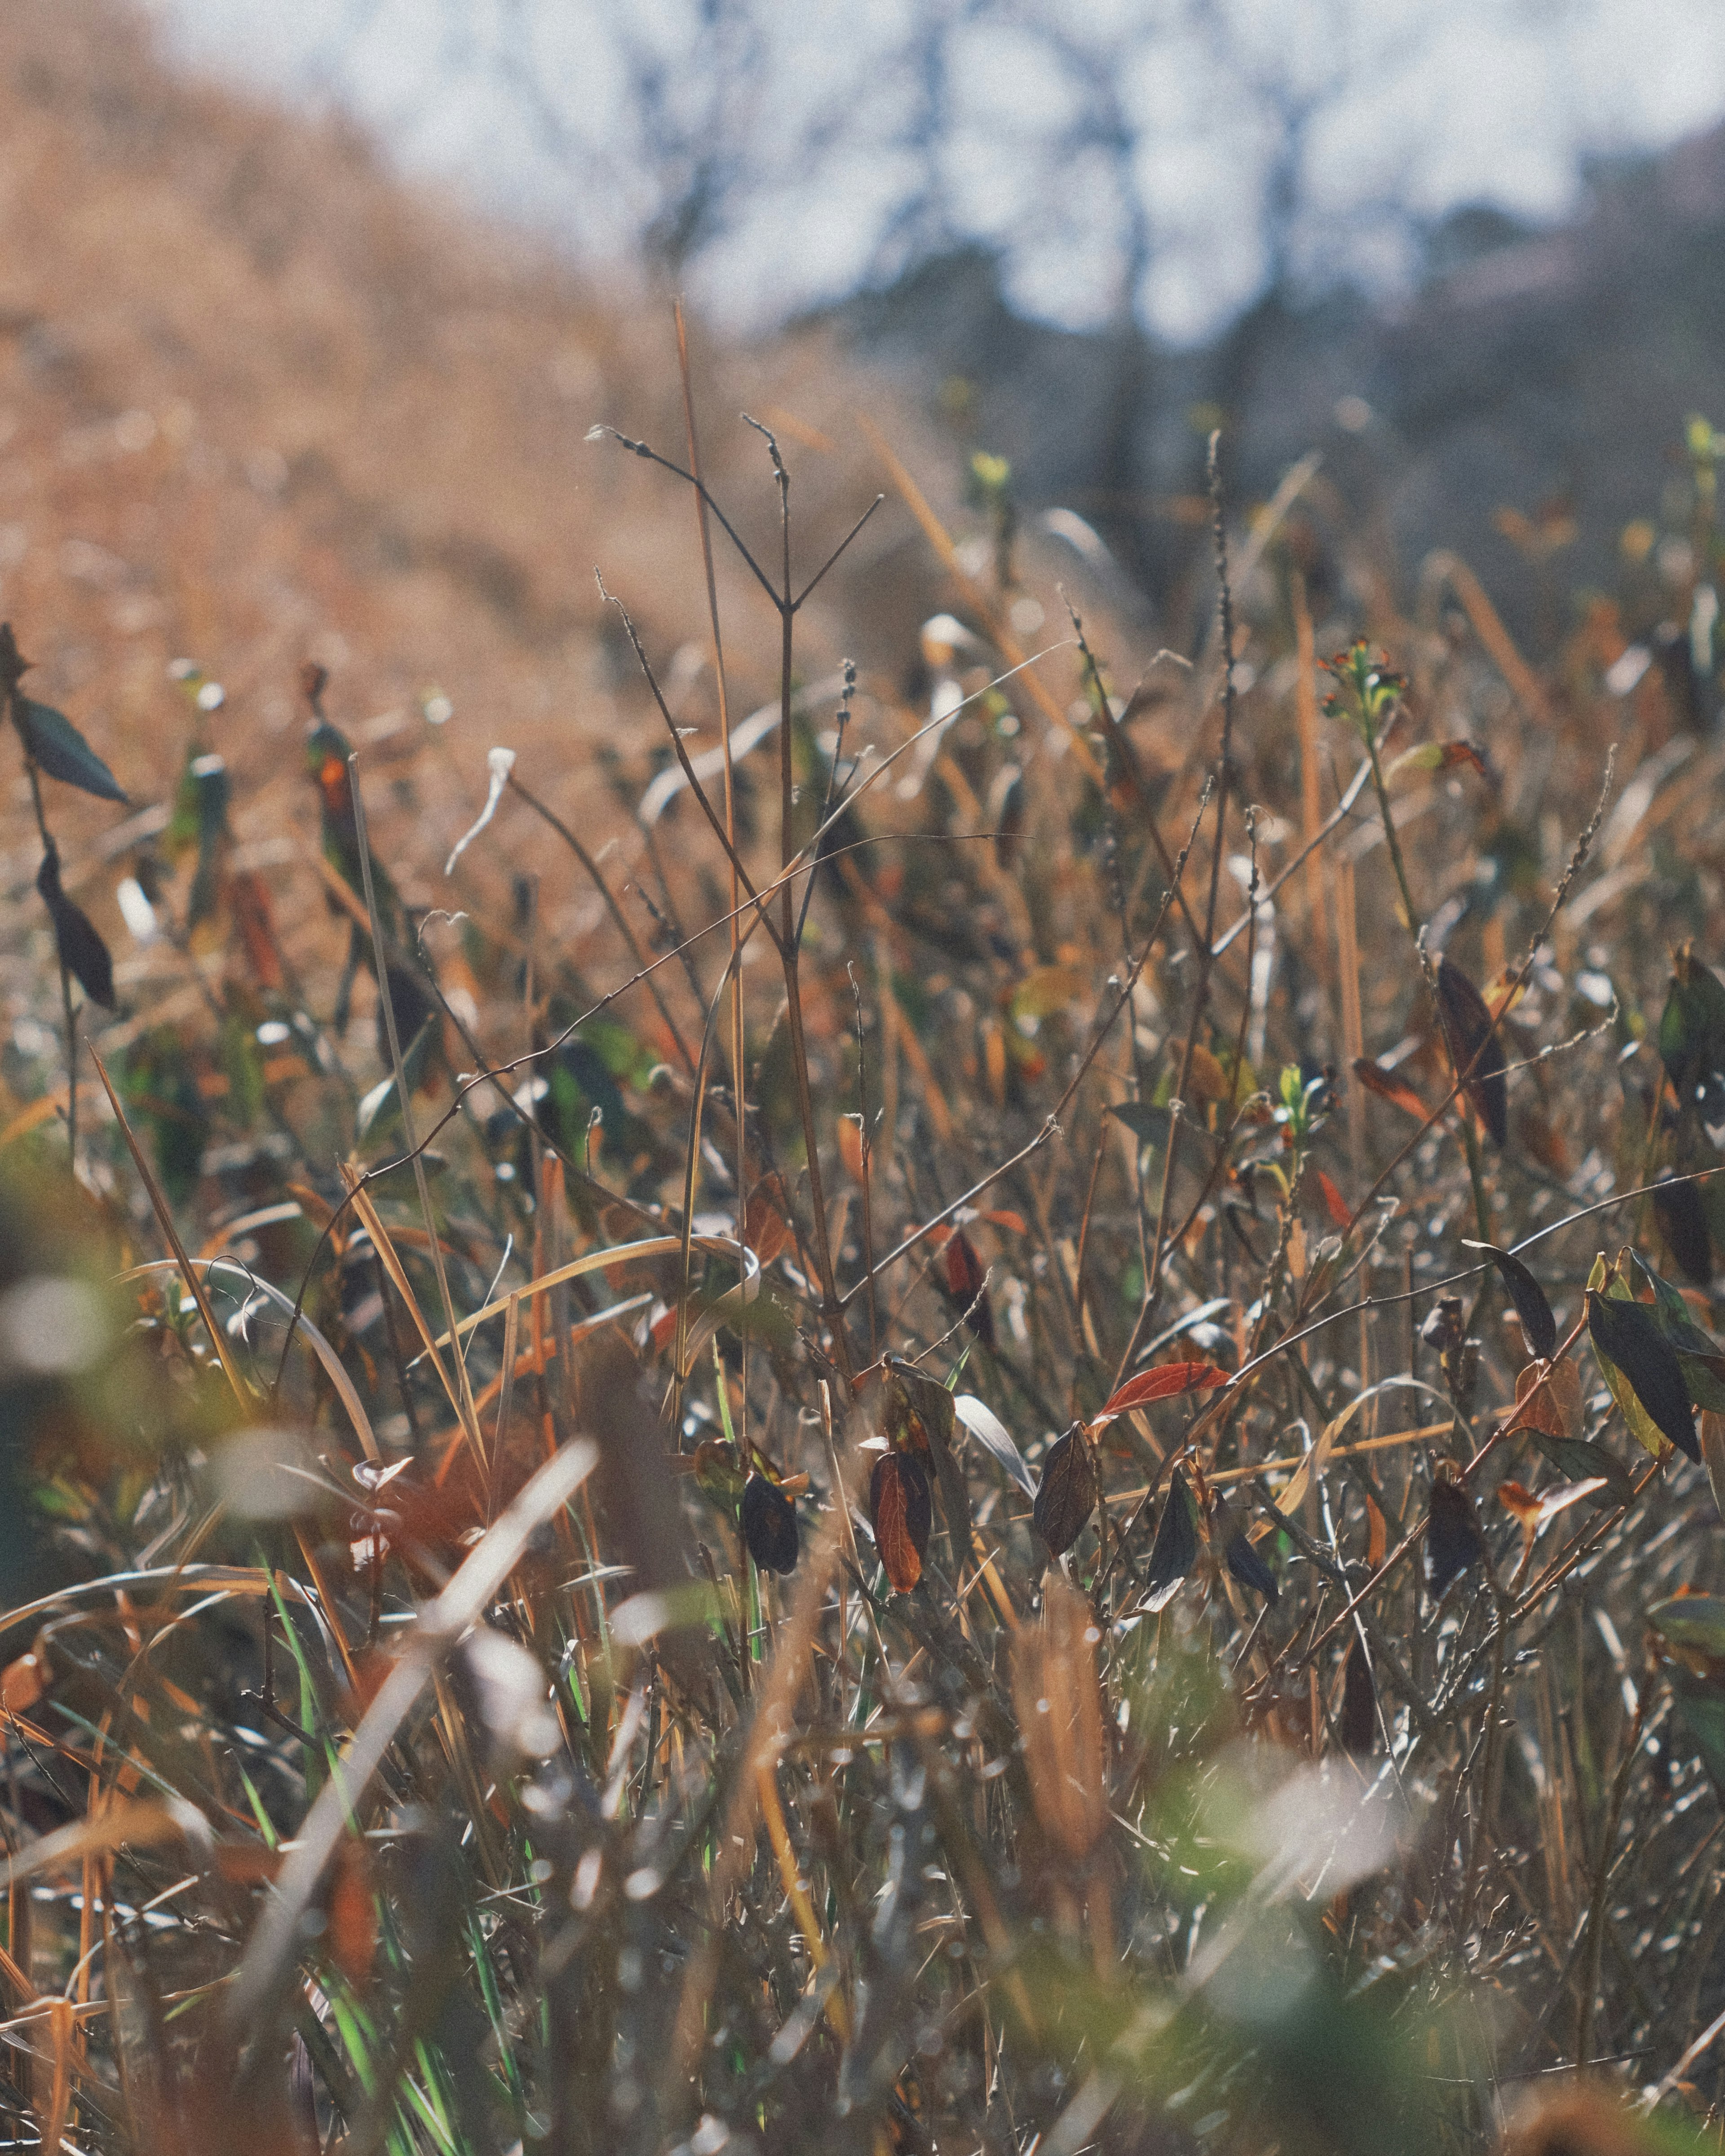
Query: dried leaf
point(1359, 1703)
point(1166, 1382)
point(769, 1526)
point(352, 1927)
point(1452, 1537)
point(1335, 1204)
point(1474, 1048)
point(850, 1146)
point(22, 1683)
point(990, 1433)
point(1174, 1552)
point(1640, 1366)
point(1059, 1706)
point(1388, 1087)
point(1548, 1397)
point(249, 902)
point(1539, 1328)
point(901, 1512)
point(1067, 1495)
point(967, 1283)
point(766, 1226)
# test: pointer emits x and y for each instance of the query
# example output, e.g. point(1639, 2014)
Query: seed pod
point(1067, 1495)
point(900, 1511)
point(769, 1525)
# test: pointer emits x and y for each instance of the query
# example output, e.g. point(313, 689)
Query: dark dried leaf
point(901, 1512)
point(1683, 1223)
point(1174, 1552)
point(1474, 1048)
point(967, 1285)
point(1067, 1495)
point(1539, 1328)
point(1631, 1346)
point(1359, 1703)
point(769, 1525)
point(1244, 1558)
point(82, 951)
point(1585, 1459)
point(1452, 1537)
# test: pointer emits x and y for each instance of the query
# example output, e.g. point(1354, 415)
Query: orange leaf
point(1388, 1087)
point(765, 1227)
point(353, 1917)
point(900, 1510)
point(1548, 1398)
point(1377, 1534)
point(850, 1146)
point(22, 1684)
point(1335, 1204)
point(250, 902)
point(1167, 1382)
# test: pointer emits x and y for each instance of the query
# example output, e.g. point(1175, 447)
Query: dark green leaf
point(1683, 1221)
point(82, 951)
point(1696, 1622)
point(1359, 1703)
point(1700, 1707)
point(1067, 1495)
point(1474, 1048)
point(62, 752)
point(1452, 1537)
point(1632, 1348)
point(1692, 1033)
point(1580, 1460)
point(1539, 1328)
point(1248, 1567)
point(1174, 1552)
point(769, 1525)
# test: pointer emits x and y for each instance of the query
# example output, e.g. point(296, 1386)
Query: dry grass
point(408, 1750)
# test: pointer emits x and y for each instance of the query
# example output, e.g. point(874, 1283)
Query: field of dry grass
point(996, 1568)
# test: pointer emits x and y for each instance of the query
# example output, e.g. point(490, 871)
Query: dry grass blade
point(440, 1623)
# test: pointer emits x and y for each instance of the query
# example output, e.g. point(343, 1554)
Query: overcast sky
point(524, 102)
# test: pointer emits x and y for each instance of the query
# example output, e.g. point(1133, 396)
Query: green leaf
point(62, 752)
point(1692, 1033)
point(1693, 1621)
point(1584, 1459)
point(1640, 1366)
point(1539, 1328)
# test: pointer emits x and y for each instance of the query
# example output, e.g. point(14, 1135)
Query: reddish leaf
point(1335, 1204)
point(1067, 1495)
point(901, 1512)
point(1166, 1382)
point(1388, 1087)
